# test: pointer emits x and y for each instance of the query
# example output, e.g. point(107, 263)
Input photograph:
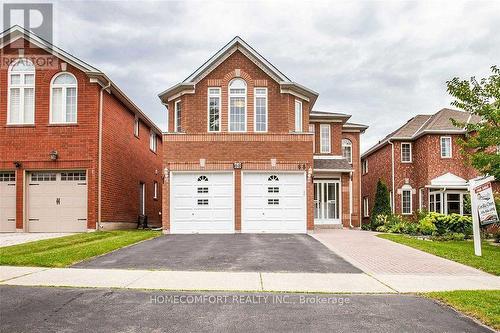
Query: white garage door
point(57, 201)
point(202, 202)
point(7, 201)
point(274, 202)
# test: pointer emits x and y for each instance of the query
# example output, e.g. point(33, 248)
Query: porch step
point(329, 226)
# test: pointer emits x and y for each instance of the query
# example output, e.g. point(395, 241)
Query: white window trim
point(155, 190)
point(348, 145)
point(321, 147)
point(364, 166)
point(298, 125)
point(219, 95)
point(21, 95)
point(441, 146)
point(229, 105)
point(255, 109)
point(313, 131)
point(153, 143)
point(403, 190)
point(175, 115)
point(366, 206)
point(411, 152)
point(420, 198)
point(137, 125)
point(64, 89)
point(441, 202)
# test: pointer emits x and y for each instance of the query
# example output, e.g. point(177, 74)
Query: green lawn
point(459, 251)
point(484, 305)
point(64, 251)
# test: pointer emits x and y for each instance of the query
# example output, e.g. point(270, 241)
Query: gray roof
point(340, 164)
point(421, 124)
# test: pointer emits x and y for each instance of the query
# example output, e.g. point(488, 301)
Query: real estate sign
point(485, 204)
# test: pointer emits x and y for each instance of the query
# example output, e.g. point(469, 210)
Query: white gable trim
point(448, 179)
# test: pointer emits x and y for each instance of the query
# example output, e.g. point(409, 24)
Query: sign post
point(483, 208)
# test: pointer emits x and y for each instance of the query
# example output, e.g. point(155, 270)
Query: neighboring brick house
point(240, 154)
point(75, 153)
point(421, 164)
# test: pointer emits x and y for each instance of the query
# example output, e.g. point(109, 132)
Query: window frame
point(155, 190)
point(313, 131)
point(64, 88)
point(403, 190)
point(349, 145)
point(219, 96)
point(421, 195)
point(137, 126)
point(441, 146)
point(364, 166)
point(366, 207)
point(229, 96)
point(21, 87)
point(255, 109)
point(321, 146)
point(299, 128)
point(152, 142)
point(177, 120)
point(411, 152)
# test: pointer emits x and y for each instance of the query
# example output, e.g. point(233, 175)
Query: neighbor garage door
point(7, 201)
point(202, 202)
point(274, 202)
point(57, 201)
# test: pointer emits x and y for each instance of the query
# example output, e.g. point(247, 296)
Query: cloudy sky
point(382, 62)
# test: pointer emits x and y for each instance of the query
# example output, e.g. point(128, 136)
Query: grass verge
point(484, 305)
point(65, 251)
point(459, 251)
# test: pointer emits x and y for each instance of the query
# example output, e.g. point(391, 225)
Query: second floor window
point(178, 116)
point(406, 152)
point(63, 99)
point(152, 141)
point(324, 138)
point(136, 126)
point(446, 147)
point(312, 129)
point(260, 110)
point(214, 97)
point(21, 92)
point(347, 150)
point(364, 167)
point(237, 106)
point(298, 116)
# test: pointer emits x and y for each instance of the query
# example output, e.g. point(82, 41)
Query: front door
point(327, 202)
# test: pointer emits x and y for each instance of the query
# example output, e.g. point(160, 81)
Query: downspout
point(350, 200)
point(392, 176)
point(99, 180)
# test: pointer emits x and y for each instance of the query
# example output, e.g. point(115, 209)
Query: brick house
point(76, 153)
point(244, 152)
point(421, 164)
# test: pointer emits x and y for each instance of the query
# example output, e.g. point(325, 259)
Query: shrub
point(426, 227)
point(445, 224)
point(382, 205)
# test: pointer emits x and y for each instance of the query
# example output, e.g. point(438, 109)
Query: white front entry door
point(327, 202)
point(7, 201)
point(274, 202)
point(57, 201)
point(201, 202)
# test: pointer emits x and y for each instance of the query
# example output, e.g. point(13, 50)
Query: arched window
point(21, 109)
point(273, 178)
point(203, 179)
point(237, 106)
point(347, 150)
point(63, 100)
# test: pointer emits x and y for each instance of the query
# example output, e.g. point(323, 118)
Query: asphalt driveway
point(35, 309)
point(235, 252)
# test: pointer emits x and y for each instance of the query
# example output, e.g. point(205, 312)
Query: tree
point(382, 204)
point(482, 141)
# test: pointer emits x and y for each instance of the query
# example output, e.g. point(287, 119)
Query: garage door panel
point(274, 202)
point(202, 202)
point(7, 201)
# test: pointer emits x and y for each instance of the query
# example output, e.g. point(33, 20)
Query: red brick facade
point(126, 159)
point(427, 164)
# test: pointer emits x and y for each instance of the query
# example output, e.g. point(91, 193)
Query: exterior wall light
point(237, 165)
point(53, 155)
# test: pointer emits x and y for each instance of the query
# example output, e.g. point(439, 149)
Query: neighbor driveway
point(234, 252)
point(13, 238)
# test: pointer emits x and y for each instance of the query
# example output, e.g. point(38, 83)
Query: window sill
point(20, 125)
point(407, 162)
point(63, 125)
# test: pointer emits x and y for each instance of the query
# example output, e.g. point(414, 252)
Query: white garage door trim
point(59, 206)
point(246, 227)
point(224, 227)
point(7, 201)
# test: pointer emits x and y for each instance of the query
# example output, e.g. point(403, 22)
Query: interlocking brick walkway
point(375, 255)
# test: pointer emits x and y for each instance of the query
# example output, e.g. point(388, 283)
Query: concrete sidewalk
point(238, 281)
